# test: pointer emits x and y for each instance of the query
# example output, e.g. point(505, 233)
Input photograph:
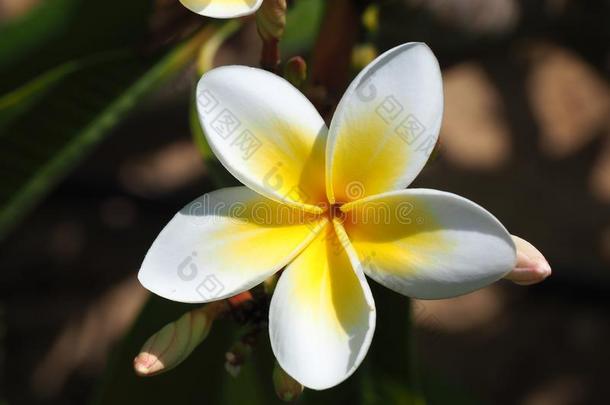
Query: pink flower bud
point(176, 341)
point(531, 267)
point(295, 71)
point(271, 19)
point(270, 22)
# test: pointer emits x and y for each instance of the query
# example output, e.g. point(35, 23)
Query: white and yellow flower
point(328, 206)
point(222, 8)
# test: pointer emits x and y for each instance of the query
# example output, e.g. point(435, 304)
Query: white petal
point(322, 315)
point(223, 243)
point(386, 124)
point(222, 8)
point(266, 133)
point(428, 243)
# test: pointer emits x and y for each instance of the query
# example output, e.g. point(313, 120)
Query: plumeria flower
point(222, 8)
point(329, 206)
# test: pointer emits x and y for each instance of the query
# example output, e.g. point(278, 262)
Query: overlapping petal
point(266, 133)
point(223, 243)
point(222, 8)
point(322, 314)
point(428, 243)
point(386, 124)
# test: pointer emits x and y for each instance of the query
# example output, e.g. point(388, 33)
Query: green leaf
point(41, 147)
point(21, 37)
point(440, 391)
point(59, 37)
point(20, 100)
point(71, 70)
point(57, 31)
point(390, 374)
point(302, 25)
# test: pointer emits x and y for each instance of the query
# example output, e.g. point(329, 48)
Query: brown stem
point(270, 55)
point(332, 53)
point(270, 22)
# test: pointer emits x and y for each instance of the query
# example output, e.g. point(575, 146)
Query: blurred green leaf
point(197, 131)
point(440, 391)
point(390, 374)
point(71, 70)
point(41, 146)
point(20, 100)
point(57, 31)
point(302, 26)
point(21, 37)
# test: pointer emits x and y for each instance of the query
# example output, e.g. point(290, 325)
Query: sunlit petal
point(428, 243)
point(223, 243)
point(386, 124)
point(322, 314)
point(266, 133)
point(222, 8)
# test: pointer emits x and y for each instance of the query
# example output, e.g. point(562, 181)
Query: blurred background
point(97, 154)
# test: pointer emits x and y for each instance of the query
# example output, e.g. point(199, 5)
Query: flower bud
point(175, 341)
point(531, 267)
point(270, 22)
point(287, 388)
point(295, 71)
point(271, 19)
